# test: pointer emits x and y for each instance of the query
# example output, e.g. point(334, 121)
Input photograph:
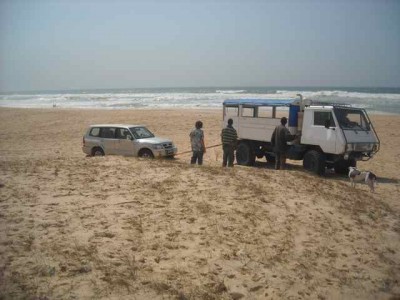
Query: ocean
point(374, 100)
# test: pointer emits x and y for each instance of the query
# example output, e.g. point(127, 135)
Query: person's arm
point(273, 138)
point(203, 143)
point(289, 137)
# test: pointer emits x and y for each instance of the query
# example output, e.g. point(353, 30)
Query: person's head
point(283, 121)
point(199, 124)
point(230, 122)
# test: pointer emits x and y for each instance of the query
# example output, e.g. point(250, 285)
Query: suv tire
point(97, 151)
point(146, 153)
point(314, 161)
point(245, 154)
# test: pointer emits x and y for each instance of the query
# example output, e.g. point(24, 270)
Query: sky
point(89, 44)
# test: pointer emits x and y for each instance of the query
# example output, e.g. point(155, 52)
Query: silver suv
point(129, 140)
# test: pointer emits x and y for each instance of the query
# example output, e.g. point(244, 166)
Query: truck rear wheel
point(342, 166)
point(314, 161)
point(245, 154)
point(270, 158)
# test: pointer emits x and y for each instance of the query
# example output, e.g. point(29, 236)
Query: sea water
point(375, 100)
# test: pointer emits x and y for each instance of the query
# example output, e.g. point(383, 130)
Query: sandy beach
point(77, 227)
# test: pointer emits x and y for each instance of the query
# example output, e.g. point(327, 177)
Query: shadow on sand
point(329, 173)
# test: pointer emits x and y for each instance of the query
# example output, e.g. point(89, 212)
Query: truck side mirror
point(327, 123)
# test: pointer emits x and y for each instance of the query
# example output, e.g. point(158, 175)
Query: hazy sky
point(75, 44)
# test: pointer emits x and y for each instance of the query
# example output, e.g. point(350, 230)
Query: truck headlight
point(158, 147)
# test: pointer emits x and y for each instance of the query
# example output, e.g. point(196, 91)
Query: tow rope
point(190, 151)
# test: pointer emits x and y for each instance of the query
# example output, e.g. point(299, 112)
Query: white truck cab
point(327, 135)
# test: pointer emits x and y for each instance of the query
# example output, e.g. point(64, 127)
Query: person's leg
point(277, 160)
point(283, 161)
point(225, 155)
point(194, 158)
point(200, 157)
point(230, 156)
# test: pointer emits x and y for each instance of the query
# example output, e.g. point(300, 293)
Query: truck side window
point(248, 112)
point(232, 111)
point(265, 112)
point(320, 118)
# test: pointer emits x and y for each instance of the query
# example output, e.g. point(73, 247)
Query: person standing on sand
point(229, 140)
point(279, 140)
point(197, 142)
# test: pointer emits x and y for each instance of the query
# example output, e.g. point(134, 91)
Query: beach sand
point(77, 227)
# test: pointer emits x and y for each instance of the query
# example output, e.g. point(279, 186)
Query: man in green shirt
point(279, 140)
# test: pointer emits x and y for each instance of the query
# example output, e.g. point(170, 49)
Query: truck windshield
point(352, 119)
point(141, 132)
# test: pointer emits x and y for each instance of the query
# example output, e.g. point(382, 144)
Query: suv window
point(95, 132)
point(107, 132)
point(122, 133)
point(320, 118)
point(141, 132)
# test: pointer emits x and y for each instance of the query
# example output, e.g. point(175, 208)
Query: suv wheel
point(146, 153)
point(245, 155)
point(97, 152)
point(314, 161)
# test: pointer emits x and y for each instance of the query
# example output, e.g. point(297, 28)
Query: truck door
point(323, 131)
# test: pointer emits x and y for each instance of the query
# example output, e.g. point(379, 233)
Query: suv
point(129, 140)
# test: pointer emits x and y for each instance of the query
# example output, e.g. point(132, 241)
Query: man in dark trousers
point(229, 140)
point(279, 140)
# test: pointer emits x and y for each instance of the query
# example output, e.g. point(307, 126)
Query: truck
point(327, 135)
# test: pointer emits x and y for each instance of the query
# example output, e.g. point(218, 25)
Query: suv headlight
point(158, 147)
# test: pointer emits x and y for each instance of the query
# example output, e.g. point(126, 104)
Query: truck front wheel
point(314, 161)
point(342, 166)
point(245, 155)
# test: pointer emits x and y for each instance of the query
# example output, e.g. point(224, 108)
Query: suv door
point(108, 140)
point(125, 142)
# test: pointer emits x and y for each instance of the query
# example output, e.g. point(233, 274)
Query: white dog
point(368, 177)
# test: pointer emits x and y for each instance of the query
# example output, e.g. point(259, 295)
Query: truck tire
point(314, 161)
point(245, 154)
point(270, 158)
point(342, 166)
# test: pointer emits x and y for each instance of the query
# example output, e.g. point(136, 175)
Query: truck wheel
point(270, 158)
point(314, 161)
point(342, 166)
point(245, 155)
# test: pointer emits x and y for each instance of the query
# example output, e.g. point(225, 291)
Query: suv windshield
point(353, 119)
point(141, 132)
